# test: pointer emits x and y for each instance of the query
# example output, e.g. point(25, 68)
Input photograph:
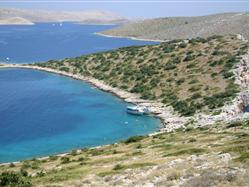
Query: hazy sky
point(137, 8)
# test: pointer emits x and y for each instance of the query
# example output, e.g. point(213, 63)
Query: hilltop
point(171, 28)
point(93, 17)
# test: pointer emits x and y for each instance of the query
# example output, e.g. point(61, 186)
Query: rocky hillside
point(185, 27)
point(211, 156)
point(60, 16)
point(191, 76)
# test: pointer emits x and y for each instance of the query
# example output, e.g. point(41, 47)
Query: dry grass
point(102, 164)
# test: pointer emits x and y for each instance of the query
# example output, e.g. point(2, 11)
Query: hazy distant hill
point(185, 27)
point(15, 21)
point(60, 16)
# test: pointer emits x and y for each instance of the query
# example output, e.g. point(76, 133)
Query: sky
point(136, 8)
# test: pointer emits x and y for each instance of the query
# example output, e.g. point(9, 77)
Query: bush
point(196, 95)
point(189, 57)
point(65, 160)
point(12, 165)
point(63, 68)
point(134, 139)
point(169, 66)
point(182, 45)
point(118, 167)
point(168, 48)
point(192, 65)
point(12, 179)
point(227, 74)
point(180, 81)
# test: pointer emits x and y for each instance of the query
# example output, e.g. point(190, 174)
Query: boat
point(137, 110)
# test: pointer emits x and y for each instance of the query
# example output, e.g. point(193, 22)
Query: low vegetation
point(215, 155)
point(191, 76)
point(170, 28)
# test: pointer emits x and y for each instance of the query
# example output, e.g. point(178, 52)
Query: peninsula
point(170, 28)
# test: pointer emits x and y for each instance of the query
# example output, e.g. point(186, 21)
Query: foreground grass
point(142, 154)
point(191, 76)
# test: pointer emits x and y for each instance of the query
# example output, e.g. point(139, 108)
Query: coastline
point(128, 37)
point(169, 120)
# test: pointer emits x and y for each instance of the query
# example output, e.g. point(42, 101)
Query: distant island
point(15, 21)
point(170, 28)
point(25, 16)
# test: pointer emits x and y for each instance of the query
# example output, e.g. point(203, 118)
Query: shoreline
point(169, 121)
point(128, 37)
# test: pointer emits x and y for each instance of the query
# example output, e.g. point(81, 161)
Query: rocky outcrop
point(235, 109)
point(241, 72)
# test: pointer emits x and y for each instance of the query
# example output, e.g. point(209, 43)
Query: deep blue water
point(42, 113)
point(46, 41)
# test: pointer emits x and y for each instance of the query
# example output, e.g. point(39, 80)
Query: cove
point(43, 114)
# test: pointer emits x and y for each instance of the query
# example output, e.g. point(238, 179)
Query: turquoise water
point(43, 114)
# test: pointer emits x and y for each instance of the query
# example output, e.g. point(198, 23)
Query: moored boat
point(137, 110)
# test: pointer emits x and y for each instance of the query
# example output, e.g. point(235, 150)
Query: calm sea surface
point(42, 113)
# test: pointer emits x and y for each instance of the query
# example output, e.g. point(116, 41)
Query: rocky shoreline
point(170, 119)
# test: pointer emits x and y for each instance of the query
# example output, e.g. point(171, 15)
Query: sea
point(41, 113)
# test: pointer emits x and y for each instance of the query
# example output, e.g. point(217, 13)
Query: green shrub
point(65, 160)
point(192, 65)
point(134, 139)
point(14, 179)
point(118, 167)
point(63, 68)
point(196, 95)
point(183, 45)
point(189, 57)
point(227, 74)
point(169, 66)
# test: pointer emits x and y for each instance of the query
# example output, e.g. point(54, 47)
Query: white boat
point(137, 110)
